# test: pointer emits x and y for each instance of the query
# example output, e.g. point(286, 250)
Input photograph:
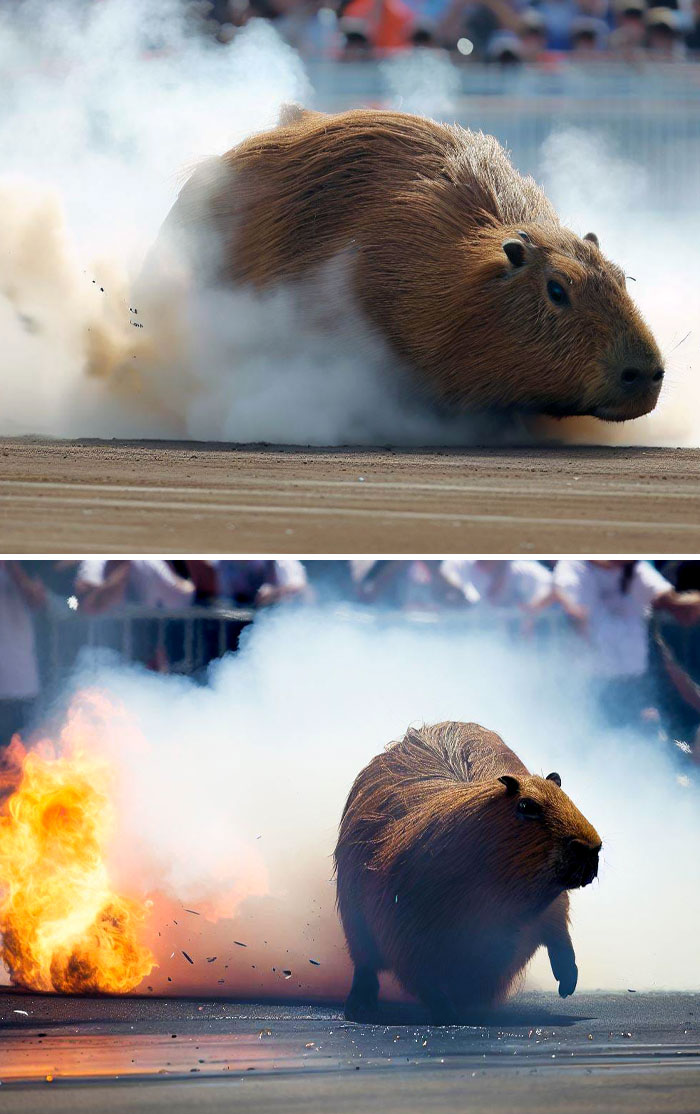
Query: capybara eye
point(529, 809)
point(557, 293)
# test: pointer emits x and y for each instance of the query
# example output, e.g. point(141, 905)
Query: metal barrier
point(186, 638)
point(185, 641)
point(648, 117)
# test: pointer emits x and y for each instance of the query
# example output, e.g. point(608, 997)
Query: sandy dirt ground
point(628, 1052)
point(128, 497)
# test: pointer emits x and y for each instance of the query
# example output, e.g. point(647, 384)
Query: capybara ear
point(592, 238)
point(515, 250)
point(555, 778)
point(511, 783)
point(293, 113)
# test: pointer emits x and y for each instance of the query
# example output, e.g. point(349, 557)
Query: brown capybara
point(451, 255)
point(453, 865)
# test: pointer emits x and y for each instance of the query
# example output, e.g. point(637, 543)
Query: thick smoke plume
point(228, 796)
point(107, 107)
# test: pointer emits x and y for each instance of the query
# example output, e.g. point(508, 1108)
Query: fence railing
point(183, 639)
point(186, 640)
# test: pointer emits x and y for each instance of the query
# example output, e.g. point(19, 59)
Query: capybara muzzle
point(579, 863)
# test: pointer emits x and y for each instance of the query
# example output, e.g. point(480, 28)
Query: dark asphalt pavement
point(604, 1052)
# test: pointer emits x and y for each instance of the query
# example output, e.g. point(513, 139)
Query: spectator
point(507, 32)
point(332, 581)
point(610, 604)
point(104, 585)
point(500, 584)
point(221, 18)
point(205, 577)
point(479, 21)
point(385, 25)
point(58, 579)
point(663, 38)
point(532, 33)
point(310, 26)
point(628, 37)
point(289, 582)
point(588, 38)
point(505, 48)
point(558, 16)
point(20, 594)
point(423, 34)
point(403, 585)
point(356, 44)
point(261, 583)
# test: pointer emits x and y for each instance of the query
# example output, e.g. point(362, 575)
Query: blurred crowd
point(640, 669)
point(505, 32)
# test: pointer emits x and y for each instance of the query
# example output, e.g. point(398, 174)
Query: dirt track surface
point(190, 497)
point(624, 1052)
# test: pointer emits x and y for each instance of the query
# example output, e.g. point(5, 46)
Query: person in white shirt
point(409, 586)
point(290, 582)
point(20, 594)
point(500, 584)
point(610, 604)
point(259, 583)
point(103, 585)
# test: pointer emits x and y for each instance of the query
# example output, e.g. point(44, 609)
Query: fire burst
point(63, 928)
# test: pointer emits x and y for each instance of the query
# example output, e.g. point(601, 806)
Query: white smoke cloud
point(236, 787)
point(423, 81)
point(108, 107)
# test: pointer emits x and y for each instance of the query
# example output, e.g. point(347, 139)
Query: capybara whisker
point(689, 333)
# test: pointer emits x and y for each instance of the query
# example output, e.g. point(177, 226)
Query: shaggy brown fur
point(446, 881)
point(422, 213)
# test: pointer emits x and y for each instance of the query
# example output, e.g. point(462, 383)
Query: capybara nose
point(635, 380)
point(581, 863)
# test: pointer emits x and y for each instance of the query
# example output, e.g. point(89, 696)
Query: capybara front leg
point(361, 1004)
point(564, 969)
point(556, 938)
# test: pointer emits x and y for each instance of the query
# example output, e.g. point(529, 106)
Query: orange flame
point(62, 926)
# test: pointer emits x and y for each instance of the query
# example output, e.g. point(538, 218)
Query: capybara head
point(580, 324)
point(480, 285)
point(517, 835)
point(541, 836)
point(539, 320)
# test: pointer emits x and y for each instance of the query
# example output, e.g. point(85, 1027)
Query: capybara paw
point(568, 980)
point(564, 969)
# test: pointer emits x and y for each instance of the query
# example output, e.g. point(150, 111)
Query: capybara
point(452, 257)
point(453, 865)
